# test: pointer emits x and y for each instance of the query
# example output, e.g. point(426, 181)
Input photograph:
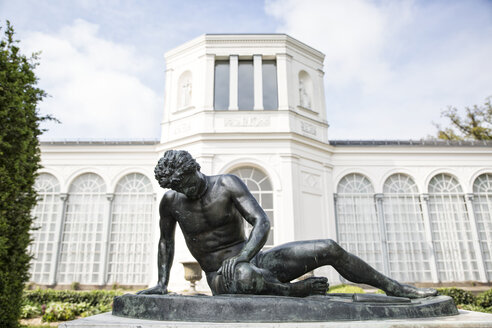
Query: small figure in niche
point(186, 94)
point(304, 98)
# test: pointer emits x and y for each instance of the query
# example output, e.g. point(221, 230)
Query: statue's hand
point(159, 290)
point(228, 266)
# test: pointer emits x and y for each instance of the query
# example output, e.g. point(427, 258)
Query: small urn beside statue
point(192, 273)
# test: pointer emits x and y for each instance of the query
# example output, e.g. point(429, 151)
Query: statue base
point(260, 308)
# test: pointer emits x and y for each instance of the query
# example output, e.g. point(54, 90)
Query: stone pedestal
point(465, 319)
point(261, 308)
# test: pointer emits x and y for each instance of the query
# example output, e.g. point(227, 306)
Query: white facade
point(254, 105)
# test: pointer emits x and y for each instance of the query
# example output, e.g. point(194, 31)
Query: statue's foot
point(412, 292)
point(310, 286)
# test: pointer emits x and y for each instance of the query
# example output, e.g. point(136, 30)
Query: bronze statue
point(210, 211)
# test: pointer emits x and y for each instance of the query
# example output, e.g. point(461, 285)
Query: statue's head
point(173, 167)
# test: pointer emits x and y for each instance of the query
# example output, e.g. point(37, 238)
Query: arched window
point(482, 203)
point(358, 225)
point(305, 90)
point(451, 230)
point(260, 186)
point(408, 250)
point(131, 231)
point(80, 253)
point(44, 228)
point(185, 90)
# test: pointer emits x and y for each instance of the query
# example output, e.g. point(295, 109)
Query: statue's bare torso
point(212, 225)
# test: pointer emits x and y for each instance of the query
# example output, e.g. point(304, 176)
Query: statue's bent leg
point(292, 260)
point(249, 279)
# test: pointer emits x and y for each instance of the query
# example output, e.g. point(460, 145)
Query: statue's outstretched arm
point(165, 254)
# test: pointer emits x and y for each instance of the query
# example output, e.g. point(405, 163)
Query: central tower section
point(244, 84)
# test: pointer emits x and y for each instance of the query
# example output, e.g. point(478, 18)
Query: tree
point(475, 125)
point(19, 161)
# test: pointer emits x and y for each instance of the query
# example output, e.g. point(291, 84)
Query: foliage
point(59, 311)
point(475, 125)
point(485, 299)
point(459, 296)
point(345, 289)
point(30, 311)
point(61, 305)
point(62, 311)
point(75, 285)
point(93, 310)
point(476, 308)
point(19, 161)
point(92, 298)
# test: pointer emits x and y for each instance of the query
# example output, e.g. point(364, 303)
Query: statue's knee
point(247, 279)
point(333, 248)
point(243, 272)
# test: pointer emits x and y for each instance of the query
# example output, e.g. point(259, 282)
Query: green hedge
point(92, 298)
point(459, 295)
point(485, 299)
point(61, 305)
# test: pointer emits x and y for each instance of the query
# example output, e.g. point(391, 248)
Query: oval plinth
point(259, 308)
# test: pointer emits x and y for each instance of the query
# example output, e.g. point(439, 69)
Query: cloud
point(391, 67)
point(96, 86)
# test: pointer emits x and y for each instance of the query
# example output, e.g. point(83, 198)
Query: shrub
point(75, 285)
point(346, 289)
point(92, 298)
point(30, 311)
point(484, 299)
point(59, 311)
point(459, 295)
point(62, 311)
point(19, 161)
point(96, 310)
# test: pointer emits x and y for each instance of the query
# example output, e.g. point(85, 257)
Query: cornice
point(209, 41)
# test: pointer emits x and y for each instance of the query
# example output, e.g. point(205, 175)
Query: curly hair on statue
point(171, 167)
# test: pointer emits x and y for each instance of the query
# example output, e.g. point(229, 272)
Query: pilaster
point(283, 70)
point(424, 200)
point(57, 245)
point(105, 239)
point(209, 82)
point(382, 232)
point(475, 238)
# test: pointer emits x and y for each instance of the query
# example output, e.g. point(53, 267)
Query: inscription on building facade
point(247, 121)
point(308, 128)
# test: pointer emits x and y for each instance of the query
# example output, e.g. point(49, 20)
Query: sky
point(391, 66)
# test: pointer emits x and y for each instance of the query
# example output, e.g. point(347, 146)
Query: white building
point(254, 105)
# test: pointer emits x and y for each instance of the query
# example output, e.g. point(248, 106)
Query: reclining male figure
point(210, 211)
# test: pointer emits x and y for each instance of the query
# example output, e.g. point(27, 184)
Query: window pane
point(245, 85)
point(43, 232)
point(451, 230)
point(358, 225)
point(270, 94)
point(408, 250)
point(482, 204)
point(221, 87)
point(131, 231)
point(82, 233)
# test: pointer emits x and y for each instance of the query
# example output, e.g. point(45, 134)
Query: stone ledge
point(465, 319)
point(259, 308)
